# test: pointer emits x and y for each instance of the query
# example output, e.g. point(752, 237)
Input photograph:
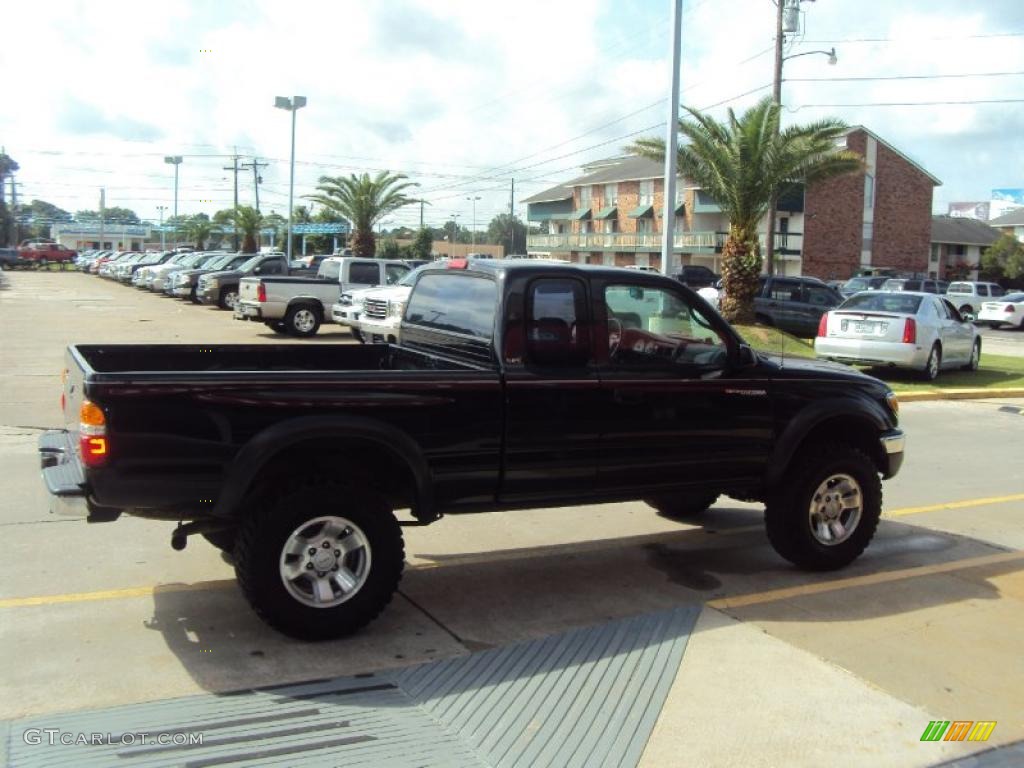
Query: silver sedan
point(919, 331)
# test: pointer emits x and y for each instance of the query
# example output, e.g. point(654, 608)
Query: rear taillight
point(1009, 308)
point(823, 325)
point(261, 292)
point(93, 443)
point(910, 331)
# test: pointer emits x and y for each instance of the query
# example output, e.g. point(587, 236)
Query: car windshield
point(892, 285)
point(410, 277)
point(1012, 298)
point(883, 302)
point(250, 263)
point(218, 262)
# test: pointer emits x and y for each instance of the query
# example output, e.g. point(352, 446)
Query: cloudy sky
point(463, 96)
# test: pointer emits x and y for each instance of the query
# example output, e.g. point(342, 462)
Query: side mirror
point(746, 357)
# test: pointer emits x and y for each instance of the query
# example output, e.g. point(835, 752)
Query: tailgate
point(248, 289)
point(873, 326)
point(74, 383)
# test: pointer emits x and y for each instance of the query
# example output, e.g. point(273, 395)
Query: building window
point(645, 225)
point(584, 197)
point(935, 251)
point(869, 191)
point(958, 250)
point(584, 227)
point(611, 195)
point(868, 233)
point(647, 192)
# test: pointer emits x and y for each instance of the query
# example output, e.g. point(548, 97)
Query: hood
point(358, 294)
point(223, 274)
point(792, 367)
point(391, 293)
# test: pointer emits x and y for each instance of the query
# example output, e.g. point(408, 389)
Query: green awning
point(581, 214)
point(606, 213)
point(642, 212)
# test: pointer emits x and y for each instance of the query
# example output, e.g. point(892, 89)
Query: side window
point(819, 296)
point(447, 301)
point(330, 270)
point(555, 334)
point(951, 311)
point(997, 290)
point(785, 290)
point(394, 272)
point(364, 273)
point(655, 328)
point(982, 290)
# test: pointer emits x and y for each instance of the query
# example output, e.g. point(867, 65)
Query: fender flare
point(812, 416)
point(256, 454)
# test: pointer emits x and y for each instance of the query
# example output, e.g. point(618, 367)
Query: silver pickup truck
point(298, 305)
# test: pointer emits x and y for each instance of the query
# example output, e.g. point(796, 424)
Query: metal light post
point(293, 105)
point(175, 160)
point(668, 216)
point(163, 237)
point(473, 231)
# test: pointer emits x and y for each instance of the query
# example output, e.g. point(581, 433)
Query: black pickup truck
point(517, 384)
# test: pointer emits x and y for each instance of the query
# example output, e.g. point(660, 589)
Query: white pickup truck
point(298, 305)
point(381, 311)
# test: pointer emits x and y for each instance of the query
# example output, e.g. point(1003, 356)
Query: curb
point(958, 394)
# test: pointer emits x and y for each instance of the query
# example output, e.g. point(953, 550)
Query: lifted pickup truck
point(518, 384)
point(298, 305)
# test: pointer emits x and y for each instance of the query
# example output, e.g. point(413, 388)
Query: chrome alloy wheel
point(835, 510)
point(304, 320)
point(325, 561)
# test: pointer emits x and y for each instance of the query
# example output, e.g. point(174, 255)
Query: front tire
point(228, 298)
point(826, 509)
point(321, 560)
point(682, 505)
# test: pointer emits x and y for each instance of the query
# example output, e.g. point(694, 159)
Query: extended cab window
point(330, 270)
point(364, 273)
point(270, 267)
point(452, 302)
point(652, 327)
point(555, 334)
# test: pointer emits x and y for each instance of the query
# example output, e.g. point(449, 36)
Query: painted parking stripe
point(130, 592)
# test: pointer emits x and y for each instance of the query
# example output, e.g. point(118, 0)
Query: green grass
point(996, 371)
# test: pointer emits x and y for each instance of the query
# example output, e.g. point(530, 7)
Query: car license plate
point(863, 326)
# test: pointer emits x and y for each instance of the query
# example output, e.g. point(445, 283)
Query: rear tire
point(302, 320)
point(803, 511)
point(682, 505)
point(933, 364)
point(276, 326)
point(281, 547)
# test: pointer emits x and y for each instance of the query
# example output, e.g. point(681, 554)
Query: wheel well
point(364, 462)
point(851, 430)
point(308, 303)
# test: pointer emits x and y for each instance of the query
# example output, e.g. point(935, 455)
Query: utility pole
point(512, 220)
point(256, 178)
point(163, 235)
point(769, 237)
point(234, 169)
point(668, 216)
point(103, 212)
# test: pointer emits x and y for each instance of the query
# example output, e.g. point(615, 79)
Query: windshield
point(249, 264)
point(1012, 298)
point(218, 261)
point(883, 302)
point(410, 277)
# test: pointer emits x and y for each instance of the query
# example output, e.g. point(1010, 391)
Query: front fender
point(263, 447)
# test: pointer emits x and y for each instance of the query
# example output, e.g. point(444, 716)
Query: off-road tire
point(266, 528)
point(682, 505)
point(787, 517)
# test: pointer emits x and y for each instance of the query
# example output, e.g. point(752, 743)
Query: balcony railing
point(596, 241)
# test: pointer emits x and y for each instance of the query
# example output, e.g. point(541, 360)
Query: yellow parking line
point(772, 595)
point(954, 505)
point(130, 592)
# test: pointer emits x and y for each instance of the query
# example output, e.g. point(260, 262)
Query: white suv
point(968, 296)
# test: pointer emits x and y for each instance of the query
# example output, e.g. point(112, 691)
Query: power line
point(909, 103)
point(916, 39)
point(898, 77)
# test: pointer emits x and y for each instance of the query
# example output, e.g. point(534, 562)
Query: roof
point(1011, 219)
point(629, 168)
point(961, 230)
point(891, 148)
point(554, 194)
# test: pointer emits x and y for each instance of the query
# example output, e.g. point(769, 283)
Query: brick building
point(612, 215)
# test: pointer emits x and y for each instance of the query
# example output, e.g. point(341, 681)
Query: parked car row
point(289, 298)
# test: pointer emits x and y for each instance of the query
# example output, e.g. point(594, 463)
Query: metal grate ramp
point(589, 697)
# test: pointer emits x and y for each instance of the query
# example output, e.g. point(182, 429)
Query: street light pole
point(163, 235)
point(175, 160)
point(668, 217)
point(293, 105)
point(455, 232)
point(473, 231)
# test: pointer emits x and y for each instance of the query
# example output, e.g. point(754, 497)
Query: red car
point(41, 254)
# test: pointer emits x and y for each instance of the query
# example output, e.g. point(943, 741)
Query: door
point(783, 300)
point(674, 412)
point(957, 334)
point(552, 392)
point(818, 299)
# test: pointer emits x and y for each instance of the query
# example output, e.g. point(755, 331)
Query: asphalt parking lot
point(780, 668)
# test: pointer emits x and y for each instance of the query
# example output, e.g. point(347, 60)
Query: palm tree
point(743, 164)
point(363, 201)
point(198, 229)
point(248, 221)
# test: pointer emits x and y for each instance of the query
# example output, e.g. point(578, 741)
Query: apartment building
point(957, 246)
point(612, 214)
